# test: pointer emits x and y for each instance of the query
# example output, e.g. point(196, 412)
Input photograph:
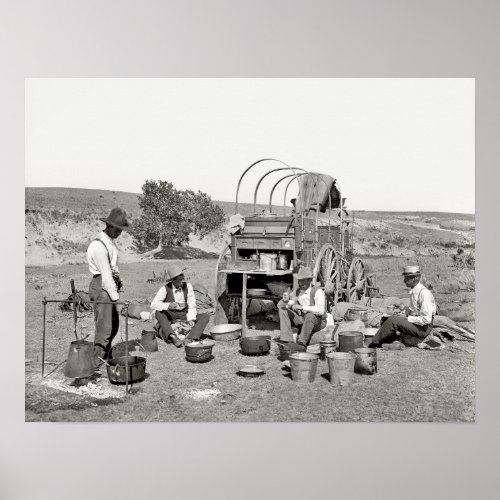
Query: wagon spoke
point(326, 272)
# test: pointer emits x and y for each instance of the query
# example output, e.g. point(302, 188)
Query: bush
point(169, 216)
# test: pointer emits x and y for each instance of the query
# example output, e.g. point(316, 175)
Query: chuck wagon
point(267, 248)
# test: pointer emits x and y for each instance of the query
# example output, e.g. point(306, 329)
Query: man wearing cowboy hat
point(175, 301)
point(306, 308)
point(418, 317)
point(102, 256)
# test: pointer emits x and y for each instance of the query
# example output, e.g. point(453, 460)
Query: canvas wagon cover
point(314, 186)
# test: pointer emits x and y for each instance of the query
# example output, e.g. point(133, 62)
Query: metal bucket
point(199, 351)
point(348, 341)
point(369, 333)
point(326, 346)
point(366, 361)
point(341, 367)
point(148, 341)
point(303, 366)
point(80, 362)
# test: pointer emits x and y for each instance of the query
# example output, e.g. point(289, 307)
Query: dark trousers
point(106, 318)
point(394, 325)
point(165, 318)
point(309, 324)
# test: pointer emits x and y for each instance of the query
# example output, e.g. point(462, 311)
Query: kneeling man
point(306, 308)
point(175, 301)
point(419, 316)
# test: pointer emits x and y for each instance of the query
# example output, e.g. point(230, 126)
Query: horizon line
point(248, 202)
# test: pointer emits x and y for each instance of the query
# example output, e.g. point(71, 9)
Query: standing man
point(102, 256)
point(175, 301)
point(305, 308)
point(418, 317)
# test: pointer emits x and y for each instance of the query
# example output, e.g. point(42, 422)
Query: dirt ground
point(411, 385)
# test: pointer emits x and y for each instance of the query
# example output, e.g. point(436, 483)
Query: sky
point(392, 144)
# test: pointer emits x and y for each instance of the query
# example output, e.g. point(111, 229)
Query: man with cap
point(306, 308)
point(418, 317)
point(102, 257)
point(175, 301)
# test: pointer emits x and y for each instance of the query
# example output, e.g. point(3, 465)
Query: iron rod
point(44, 302)
point(87, 302)
point(246, 170)
point(244, 305)
point(265, 175)
point(75, 314)
point(126, 347)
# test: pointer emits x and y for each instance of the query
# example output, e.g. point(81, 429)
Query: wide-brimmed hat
point(304, 273)
point(411, 271)
point(117, 218)
point(174, 271)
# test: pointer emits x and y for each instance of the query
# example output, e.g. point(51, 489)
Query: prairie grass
point(411, 385)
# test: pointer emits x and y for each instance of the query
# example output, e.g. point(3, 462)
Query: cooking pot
point(260, 344)
point(117, 372)
point(353, 314)
point(348, 341)
point(286, 348)
point(148, 341)
point(199, 351)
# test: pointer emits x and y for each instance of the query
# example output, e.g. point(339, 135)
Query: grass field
point(411, 385)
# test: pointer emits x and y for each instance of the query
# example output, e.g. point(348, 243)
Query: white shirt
point(422, 305)
point(98, 260)
point(158, 303)
point(319, 306)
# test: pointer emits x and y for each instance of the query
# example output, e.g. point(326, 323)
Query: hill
point(60, 222)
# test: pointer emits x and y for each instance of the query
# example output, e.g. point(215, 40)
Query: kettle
point(80, 362)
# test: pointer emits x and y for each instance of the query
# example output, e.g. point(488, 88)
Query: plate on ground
point(250, 371)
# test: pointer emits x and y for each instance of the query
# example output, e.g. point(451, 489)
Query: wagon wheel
point(356, 281)
point(327, 272)
point(227, 309)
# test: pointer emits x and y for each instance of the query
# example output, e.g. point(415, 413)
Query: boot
point(175, 340)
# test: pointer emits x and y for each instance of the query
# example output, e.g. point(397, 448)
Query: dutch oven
point(117, 372)
point(260, 344)
point(286, 348)
point(199, 351)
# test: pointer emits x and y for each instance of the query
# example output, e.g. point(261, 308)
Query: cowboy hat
point(411, 271)
point(117, 218)
point(304, 273)
point(174, 271)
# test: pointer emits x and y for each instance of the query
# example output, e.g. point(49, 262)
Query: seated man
point(306, 308)
point(419, 315)
point(175, 301)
